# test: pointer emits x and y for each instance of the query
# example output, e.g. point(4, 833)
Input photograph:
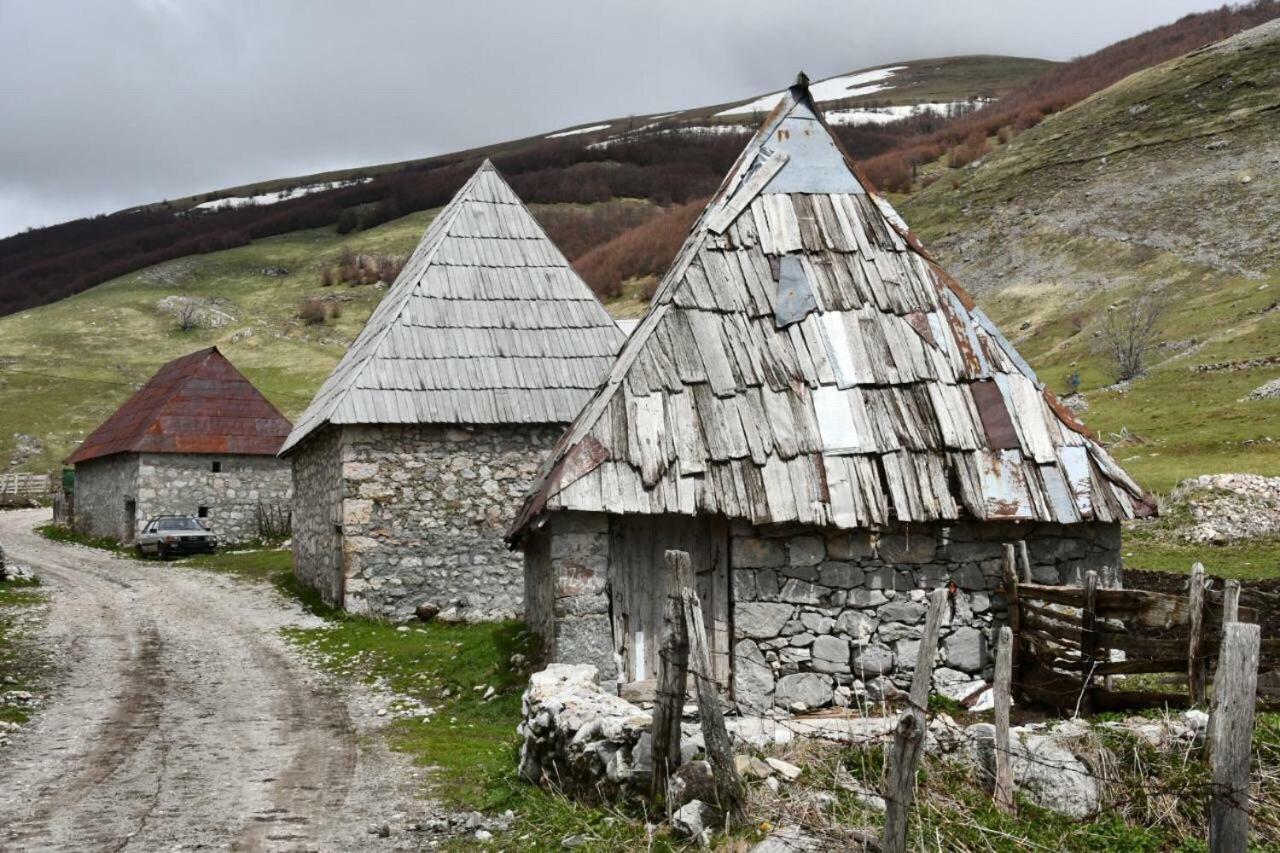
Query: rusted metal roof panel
point(805, 361)
point(198, 403)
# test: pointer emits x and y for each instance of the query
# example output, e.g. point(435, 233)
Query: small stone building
point(198, 439)
point(412, 457)
point(831, 427)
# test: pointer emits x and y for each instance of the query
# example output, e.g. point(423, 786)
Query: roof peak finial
point(802, 81)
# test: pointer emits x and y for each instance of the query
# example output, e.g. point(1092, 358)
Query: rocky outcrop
point(1226, 508)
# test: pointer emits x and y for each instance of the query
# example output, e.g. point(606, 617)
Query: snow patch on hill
point(884, 115)
point(833, 89)
point(592, 129)
point(273, 197)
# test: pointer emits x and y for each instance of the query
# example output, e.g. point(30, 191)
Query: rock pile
point(1227, 508)
point(1269, 391)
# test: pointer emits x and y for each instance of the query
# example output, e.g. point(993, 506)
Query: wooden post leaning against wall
point(1196, 645)
point(1231, 737)
point(908, 736)
point(673, 666)
point(1024, 562)
point(730, 790)
point(1003, 699)
point(1010, 568)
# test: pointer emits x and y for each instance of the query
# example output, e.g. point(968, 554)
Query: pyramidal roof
point(198, 403)
point(486, 324)
point(804, 360)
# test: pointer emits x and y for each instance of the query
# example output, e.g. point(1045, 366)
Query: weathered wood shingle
point(487, 324)
point(805, 360)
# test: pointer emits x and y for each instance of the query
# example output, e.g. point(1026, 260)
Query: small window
point(217, 467)
point(203, 512)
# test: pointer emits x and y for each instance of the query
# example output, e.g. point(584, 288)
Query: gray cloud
point(106, 105)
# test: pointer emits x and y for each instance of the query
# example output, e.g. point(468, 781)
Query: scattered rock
point(788, 839)
point(693, 819)
point(691, 781)
point(426, 611)
point(807, 687)
point(785, 769)
point(1228, 508)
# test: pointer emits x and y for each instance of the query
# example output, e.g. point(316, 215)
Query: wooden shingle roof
point(487, 324)
point(806, 361)
point(198, 403)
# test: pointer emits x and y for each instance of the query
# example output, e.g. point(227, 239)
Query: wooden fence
point(23, 489)
point(1071, 642)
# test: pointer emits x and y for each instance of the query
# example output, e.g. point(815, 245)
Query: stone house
point(831, 427)
point(410, 460)
point(198, 439)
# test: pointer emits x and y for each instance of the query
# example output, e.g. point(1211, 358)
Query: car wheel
point(162, 552)
point(138, 548)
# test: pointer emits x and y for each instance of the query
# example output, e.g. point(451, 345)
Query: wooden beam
point(1088, 641)
point(673, 666)
point(730, 791)
point(1231, 602)
point(1231, 738)
point(908, 736)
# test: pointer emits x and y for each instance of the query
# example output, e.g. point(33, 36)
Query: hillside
point(666, 158)
point(1164, 187)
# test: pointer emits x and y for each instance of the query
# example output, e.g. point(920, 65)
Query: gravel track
point(181, 719)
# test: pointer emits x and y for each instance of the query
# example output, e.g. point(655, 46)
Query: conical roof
point(486, 324)
point(198, 403)
point(805, 361)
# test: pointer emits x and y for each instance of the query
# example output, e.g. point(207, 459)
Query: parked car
point(167, 535)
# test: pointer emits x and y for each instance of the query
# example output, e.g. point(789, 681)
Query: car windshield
point(178, 524)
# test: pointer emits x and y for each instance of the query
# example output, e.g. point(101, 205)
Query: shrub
point(968, 151)
point(892, 173)
point(326, 278)
point(347, 222)
point(645, 250)
point(312, 312)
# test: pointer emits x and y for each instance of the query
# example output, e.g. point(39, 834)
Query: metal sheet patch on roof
point(795, 299)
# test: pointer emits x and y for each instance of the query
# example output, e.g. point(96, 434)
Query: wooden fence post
point(908, 736)
point(673, 664)
point(1011, 597)
point(1001, 691)
point(1196, 644)
point(1231, 737)
point(730, 791)
point(1231, 602)
point(1088, 642)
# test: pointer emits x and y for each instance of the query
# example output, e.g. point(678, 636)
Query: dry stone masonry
point(823, 619)
point(421, 510)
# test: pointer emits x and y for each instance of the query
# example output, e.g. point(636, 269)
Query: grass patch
point(58, 533)
point(469, 742)
point(1253, 560)
point(22, 661)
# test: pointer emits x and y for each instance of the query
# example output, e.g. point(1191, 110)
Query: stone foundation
point(821, 617)
point(419, 512)
point(824, 618)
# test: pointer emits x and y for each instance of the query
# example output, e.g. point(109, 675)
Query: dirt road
point(181, 719)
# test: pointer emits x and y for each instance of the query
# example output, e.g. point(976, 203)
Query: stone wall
point(566, 591)
point(424, 510)
point(820, 619)
point(103, 486)
point(182, 483)
point(317, 513)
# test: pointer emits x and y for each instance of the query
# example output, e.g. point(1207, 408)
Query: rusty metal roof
point(195, 404)
point(805, 360)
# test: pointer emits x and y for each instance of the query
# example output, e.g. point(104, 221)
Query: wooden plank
point(730, 791)
point(1230, 602)
point(673, 664)
point(908, 737)
point(723, 216)
point(1003, 699)
point(1231, 738)
point(1013, 601)
point(1196, 669)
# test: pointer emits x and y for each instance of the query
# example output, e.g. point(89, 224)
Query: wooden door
point(638, 590)
point(130, 521)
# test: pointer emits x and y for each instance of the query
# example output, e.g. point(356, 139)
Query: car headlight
point(171, 539)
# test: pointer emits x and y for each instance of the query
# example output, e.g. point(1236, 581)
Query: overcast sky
point(109, 103)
